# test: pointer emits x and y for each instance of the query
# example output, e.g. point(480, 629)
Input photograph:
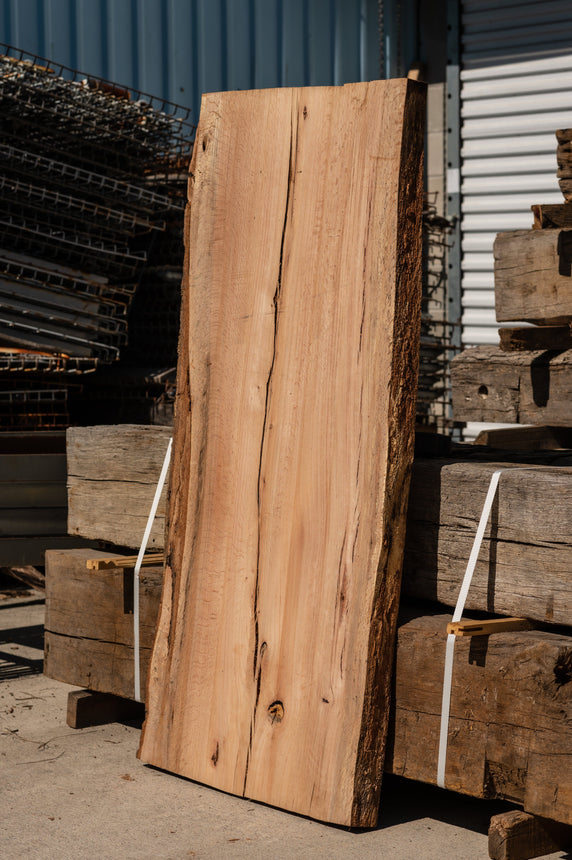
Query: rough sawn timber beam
point(533, 387)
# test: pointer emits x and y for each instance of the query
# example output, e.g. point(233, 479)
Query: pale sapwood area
point(293, 442)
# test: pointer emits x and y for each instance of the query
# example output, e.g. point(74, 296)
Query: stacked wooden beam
point(526, 557)
point(501, 726)
point(112, 473)
point(509, 726)
point(528, 378)
point(564, 159)
point(511, 705)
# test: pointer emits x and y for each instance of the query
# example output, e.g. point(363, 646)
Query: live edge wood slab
point(293, 441)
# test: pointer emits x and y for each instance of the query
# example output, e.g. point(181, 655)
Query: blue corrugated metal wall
point(178, 49)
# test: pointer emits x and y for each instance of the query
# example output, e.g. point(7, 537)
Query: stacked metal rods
point(92, 176)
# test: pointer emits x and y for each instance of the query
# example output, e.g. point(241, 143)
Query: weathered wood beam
point(527, 549)
point(564, 161)
point(536, 337)
point(112, 476)
point(517, 835)
point(552, 215)
point(511, 691)
point(511, 704)
point(525, 564)
point(526, 438)
point(491, 385)
point(533, 276)
point(89, 622)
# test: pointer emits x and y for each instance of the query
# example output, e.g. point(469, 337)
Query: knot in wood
point(276, 712)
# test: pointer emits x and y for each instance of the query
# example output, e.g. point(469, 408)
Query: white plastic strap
point(450, 648)
point(150, 519)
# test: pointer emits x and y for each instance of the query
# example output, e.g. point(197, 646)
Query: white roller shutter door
point(516, 90)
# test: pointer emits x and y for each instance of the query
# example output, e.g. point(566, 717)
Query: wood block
point(270, 675)
point(517, 835)
point(112, 476)
point(526, 438)
point(525, 563)
point(87, 708)
point(552, 215)
point(533, 387)
point(564, 136)
point(564, 161)
point(533, 276)
point(537, 337)
point(126, 562)
point(487, 626)
point(89, 622)
point(565, 184)
point(511, 704)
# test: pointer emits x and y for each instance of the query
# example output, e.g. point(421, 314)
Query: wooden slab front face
point(297, 375)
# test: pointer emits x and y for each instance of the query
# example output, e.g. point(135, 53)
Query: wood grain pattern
point(525, 563)
point(113, 471)
point(271, 667)
point(518, 835)
point(533, 387)
point(533, 276)
point(552, 215)
point(540, 438)
point(564, 161)
point(89, 622)
point(511, 705)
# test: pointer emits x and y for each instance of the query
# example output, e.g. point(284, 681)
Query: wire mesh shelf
point(93, 172)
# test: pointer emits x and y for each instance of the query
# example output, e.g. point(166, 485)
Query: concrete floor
point(72, 794)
